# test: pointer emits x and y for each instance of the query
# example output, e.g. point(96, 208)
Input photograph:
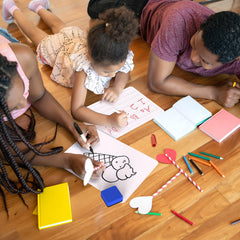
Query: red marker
point(154, 141)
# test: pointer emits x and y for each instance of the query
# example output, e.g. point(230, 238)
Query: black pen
point(82, 135)
point(196, 166)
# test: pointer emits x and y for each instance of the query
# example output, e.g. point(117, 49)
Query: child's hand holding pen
point(118, 119)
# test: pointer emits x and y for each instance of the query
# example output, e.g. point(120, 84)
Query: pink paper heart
point(163, 159)
point(171, 153)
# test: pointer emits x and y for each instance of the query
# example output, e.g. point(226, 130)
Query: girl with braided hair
point(20, 87)
point(83, 61)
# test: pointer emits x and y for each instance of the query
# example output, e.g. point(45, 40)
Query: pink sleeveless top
point(6, 51)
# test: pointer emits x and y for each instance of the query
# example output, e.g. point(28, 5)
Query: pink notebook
point(220, 125)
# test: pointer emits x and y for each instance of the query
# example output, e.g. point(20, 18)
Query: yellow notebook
point(54, 207)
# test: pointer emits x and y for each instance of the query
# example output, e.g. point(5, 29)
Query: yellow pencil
point(215, 167)
point(234, 84)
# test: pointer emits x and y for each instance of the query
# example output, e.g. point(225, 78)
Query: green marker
point(199, 156)
point(150, 213)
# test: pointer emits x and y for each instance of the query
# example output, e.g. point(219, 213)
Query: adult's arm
point(161, 80)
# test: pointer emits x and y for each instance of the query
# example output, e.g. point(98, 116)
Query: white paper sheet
point(138, 107)
point(126, 168)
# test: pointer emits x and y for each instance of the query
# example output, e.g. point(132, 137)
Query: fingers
point(83, 143)
point(92, 135)
point(110, 95)
point(93, 139)
point(232, 98)
point(234, 84)
point(98, 169)
point(122, 119)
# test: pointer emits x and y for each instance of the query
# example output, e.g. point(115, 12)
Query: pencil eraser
point(111, 196)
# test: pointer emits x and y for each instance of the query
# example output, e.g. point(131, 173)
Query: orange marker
point(215, 167)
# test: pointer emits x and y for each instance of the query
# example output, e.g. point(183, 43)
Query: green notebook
point(54, 207)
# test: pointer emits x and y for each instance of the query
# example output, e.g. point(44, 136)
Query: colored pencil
point(150, 213)
point(200, 161)
point(235, 222)
point(211, 155)
point(196, 166)
point(215, 167)
point(188, 165)
point(199, 156)
point(234, 84)
point(183, 218)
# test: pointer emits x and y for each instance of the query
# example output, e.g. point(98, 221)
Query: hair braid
point(12, 159)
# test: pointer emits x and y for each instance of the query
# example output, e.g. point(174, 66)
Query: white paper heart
point(89, 171)
point(144, 204)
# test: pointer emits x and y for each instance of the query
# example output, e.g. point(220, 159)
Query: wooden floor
point(212, 211)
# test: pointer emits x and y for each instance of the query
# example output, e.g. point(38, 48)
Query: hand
point(111, 94)
point(91, 134)
point(227, 95)
point(76, 162)
point(118, 119)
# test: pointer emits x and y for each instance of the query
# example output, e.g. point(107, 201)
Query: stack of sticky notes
point(54, 207)
point(220, 125)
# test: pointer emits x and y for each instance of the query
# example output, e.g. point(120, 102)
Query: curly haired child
point(83, 61)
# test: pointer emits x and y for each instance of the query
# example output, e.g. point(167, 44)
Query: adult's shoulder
point(188, 10)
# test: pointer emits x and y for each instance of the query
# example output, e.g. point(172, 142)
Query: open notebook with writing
point(182, 118)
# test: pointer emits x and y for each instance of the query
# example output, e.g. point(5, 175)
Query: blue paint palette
point(111, 196)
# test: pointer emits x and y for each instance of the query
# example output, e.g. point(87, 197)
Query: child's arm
point(84, 114)
point(111, 94)
point(45, 104)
